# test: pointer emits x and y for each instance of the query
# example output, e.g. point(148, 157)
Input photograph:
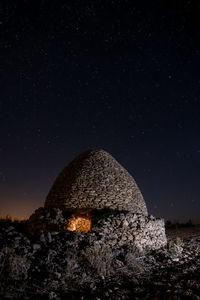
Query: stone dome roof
point(95, 180)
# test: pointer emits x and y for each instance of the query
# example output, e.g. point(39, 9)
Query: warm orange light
point(80, 222)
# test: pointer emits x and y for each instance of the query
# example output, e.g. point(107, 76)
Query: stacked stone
point(115, 230)
point(47, 220)
point(143, 232)
point(95, 180)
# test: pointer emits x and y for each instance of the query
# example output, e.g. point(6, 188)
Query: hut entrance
point(80, 221)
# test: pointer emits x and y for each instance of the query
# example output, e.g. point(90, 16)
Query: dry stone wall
point(127, 229)
point(114, 230)
point(46, 220)
point(95, 180)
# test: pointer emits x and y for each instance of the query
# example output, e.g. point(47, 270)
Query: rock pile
point(127, 229)
point(114, 229)
point(47, 220)
point(74, 265)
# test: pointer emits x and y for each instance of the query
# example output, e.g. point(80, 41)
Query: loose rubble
point(73, 265)
point(116, 229)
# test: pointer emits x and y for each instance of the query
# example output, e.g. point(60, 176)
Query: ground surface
point(183, 232)
point(171, 274)
point(176, 276)
point(64, 267)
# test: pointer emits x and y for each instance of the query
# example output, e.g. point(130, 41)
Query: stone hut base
point(127, 229)
point(115, 229)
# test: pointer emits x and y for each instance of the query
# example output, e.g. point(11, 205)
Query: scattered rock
point(73, 265)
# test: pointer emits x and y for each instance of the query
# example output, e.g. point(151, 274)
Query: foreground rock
point(114, 229)
point(73, 265)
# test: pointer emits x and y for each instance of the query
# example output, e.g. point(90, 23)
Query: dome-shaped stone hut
point(94, 194)
point(95, 180)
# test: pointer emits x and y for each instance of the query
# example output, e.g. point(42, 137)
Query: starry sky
point(123, 76)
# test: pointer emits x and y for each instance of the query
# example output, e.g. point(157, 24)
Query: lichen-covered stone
point(95, 180)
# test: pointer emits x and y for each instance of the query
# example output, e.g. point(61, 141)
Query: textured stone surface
point(128, 229)
point(114, 230)
point(74, 265)
point(95, 180)
point(96, 184)
point(46, 220)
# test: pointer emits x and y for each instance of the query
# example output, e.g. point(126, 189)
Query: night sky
point(123, 76)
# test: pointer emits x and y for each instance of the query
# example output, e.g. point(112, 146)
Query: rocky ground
point(72, 265)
